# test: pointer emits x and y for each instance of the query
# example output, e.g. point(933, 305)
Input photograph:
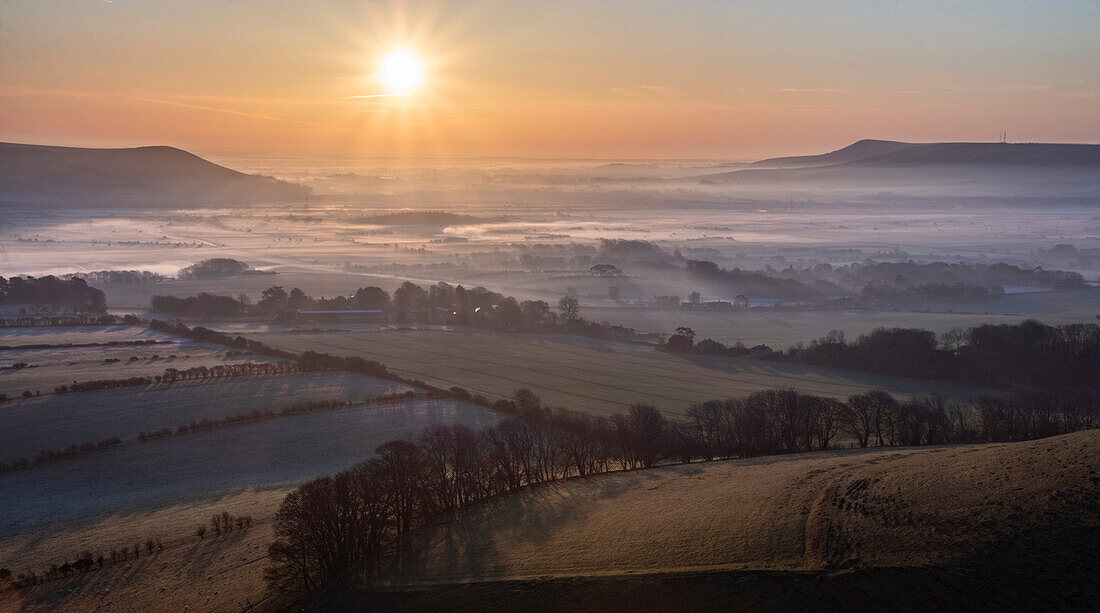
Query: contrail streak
point(221, 110)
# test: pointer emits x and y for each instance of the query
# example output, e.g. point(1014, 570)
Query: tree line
point(332, 523)
point(1028, 353)
point(195, 373)
point(82, 345)
point(440, 303)
point(878, 283)
point(74, 294)
point(53, 455)
point(48, 321)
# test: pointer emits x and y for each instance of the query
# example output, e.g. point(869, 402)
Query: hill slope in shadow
point(135, 177)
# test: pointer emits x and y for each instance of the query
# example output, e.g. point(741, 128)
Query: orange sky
point(731, 80)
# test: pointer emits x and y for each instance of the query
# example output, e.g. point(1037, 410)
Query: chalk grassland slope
point(57, 421)
point(142, 176)
point(587, 374)
point(213, 574)
point(808, 512)
point(780, 329)
point(48, 508)
point(62, 366)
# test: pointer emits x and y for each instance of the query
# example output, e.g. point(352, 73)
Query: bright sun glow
point(401, 71)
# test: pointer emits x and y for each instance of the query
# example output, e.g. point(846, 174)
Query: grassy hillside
point(902, 529)
point(213, 574)
point(807, 512)
point(587, 374)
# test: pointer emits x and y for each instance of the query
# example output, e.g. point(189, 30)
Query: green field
point(590, 375)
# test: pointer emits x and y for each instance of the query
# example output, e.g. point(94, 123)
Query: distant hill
point(963, 169)
point(134, 177)
point(894, 153)
point(856, 151)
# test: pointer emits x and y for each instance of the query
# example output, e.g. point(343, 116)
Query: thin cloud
point(370, 96)
point(215, 109)
point(91, 95)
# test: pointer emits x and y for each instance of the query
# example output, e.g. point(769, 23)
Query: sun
point(401, 71)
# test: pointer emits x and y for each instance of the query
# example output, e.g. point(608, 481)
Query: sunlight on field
point(800, 512)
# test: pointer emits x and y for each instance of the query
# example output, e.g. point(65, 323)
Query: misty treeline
point(440, 303)
point(214, 268)
point(72, 294)
point(332, 523)
point(1026, 354)
point(884, 283)
point(107, 277)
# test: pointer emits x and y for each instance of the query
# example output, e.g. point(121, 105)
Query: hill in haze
point(893, 153)
point(135, 177)
point(964, 169)
point(856, 151)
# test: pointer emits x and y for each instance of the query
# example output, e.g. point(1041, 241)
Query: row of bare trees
point(205, 424)
point(195, 373)
point(331, 523)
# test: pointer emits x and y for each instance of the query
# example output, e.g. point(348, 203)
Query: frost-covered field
point(57, 366)
point(77, 335)
point(200, 468)
point(57, 421)
point(588, 374)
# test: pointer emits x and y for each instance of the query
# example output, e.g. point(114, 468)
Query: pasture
point(585, 374)
point(187, 475)
point(59, 335)
point(898, 508)
point(57, 421)
point(782, 329)
point(58, 366)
